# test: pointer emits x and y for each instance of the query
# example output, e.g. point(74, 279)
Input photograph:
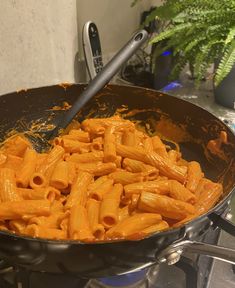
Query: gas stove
point(192, 271)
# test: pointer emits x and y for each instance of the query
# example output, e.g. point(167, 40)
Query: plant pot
point(225, 92)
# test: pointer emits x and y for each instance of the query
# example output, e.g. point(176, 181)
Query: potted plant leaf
point(202, 33)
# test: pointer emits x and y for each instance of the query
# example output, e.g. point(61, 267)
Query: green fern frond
point(168, 33)
point(226, 64)
point(231, 35)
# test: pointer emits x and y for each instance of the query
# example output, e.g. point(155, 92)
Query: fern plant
point(199, 32)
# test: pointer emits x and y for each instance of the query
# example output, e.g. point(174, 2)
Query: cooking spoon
point(103, 77)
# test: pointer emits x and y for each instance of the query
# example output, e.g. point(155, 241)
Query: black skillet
point(20, 109)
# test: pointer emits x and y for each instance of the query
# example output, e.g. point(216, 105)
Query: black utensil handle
point(109, 70)
point(223, 223)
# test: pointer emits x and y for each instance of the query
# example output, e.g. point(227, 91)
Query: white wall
point(40, 40)
point(38, 43)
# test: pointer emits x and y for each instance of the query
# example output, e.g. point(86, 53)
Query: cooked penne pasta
point(128, 138)
point(18, 226)
point(47, 193)
point(13, 162)
point(27, 168)
point(98, 168)
point(79, 228)
point(148, 145)
point(102, 180)
point(209, 196)
point(8, 189)
point(163, 225)
point(194, 176)
point(164, 205)
point(78, 194)
point(60, 176)
point(16, 145)
point(43, 232)
point(159, 147)
point(123, 213)
point(109, 206)
point(149, 172)
point(80, 135)
point(124, 177)
point(158, 186)
point(99, 192)
point(73, 146)
point(179, 192)
point(43, 174)
point(164, 165)
point(17, 209)
point(133, 224)
point(109, 145)
point(96, 156)
point(97, 144)
point(93, 210)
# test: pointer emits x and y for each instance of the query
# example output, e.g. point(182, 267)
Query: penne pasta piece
point(16, 145)
point(98, 125)
point(80, 135)
point(43, 232)
point(174, 156)
point(57, 206)
point(18, 209)
point(134, 224)
point(99, 192)
point(8, 190)
point(153, 159)
point(134, 202)
point(179, 192)
point(93, 209)
point(79, 228)
point(18, 226)
point(60, 176)
point(163, 225)
point(42, 176)
point(185, 220)
point(64, 225)
point(128, 138)
point(97, 169)
point(159, 147)
point(73, 146)
point(52, 221)
point(124, 177)
point(123, 213)
point(164, 205)
point(72, 168)
point(97, 182)
point(158, 186)
point(47, 193)
point(27, 168)
point(209, 196)
point(109, 145)
point(86, 157)
point(97, 144)
point(118, 162)
point(194, 176)
point(78, 194)
point(109, 206)
point(13, 162)
point(3, 159)
point(148, 145)
point(150, 172)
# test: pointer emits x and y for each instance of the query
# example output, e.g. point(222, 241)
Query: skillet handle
point(171, 255)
